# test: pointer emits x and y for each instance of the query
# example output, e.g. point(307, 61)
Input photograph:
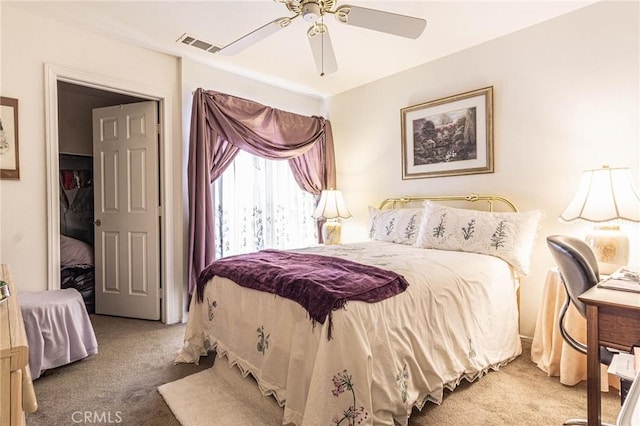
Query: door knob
point(97, 222)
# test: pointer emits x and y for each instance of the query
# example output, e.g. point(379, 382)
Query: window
point(259, 205)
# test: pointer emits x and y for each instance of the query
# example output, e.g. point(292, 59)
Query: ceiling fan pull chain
point(322, 47)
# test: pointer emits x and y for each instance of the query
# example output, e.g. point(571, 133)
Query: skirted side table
point(549, 351)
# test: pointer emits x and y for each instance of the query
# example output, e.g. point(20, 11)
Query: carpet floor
point(126, 384)
point(220, 393)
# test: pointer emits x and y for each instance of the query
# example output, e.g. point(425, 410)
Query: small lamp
point(606, 195)
point(331, 207)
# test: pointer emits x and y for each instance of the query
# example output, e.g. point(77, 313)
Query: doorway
point(60, 83)
point(78, 263)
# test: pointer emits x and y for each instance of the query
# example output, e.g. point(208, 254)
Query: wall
point(566, 99)
point(23, 203)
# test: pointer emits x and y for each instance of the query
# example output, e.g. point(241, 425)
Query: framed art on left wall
point(448, 136)
point(9, 155)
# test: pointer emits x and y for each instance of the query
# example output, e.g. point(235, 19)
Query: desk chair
point(579, 272)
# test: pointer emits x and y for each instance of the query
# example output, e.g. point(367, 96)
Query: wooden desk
point(16, 390)
point(613, 320)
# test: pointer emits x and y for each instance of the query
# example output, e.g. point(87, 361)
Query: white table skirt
point(58, 329)
point(549, 350)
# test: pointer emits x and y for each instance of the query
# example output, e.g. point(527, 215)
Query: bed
point(371, 363)
point(77, 269)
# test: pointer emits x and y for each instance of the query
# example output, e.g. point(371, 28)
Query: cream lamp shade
point(606, 195)
point(331, 208)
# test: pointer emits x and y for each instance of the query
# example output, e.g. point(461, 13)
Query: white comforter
point(457, 319)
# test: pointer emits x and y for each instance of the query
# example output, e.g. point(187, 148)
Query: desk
point(16, 389)
point(613, 320)
point(549, 351)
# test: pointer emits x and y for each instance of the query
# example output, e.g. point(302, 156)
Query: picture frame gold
point(9, 148)
point(450, 136)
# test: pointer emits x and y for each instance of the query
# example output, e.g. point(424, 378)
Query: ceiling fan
point(314, 11)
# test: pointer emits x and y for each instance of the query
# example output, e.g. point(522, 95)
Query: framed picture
point(9, 158)
point(449, 136)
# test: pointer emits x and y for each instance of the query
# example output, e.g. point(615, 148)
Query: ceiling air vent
point(200, 44)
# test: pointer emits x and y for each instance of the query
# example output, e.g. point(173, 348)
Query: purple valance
point(221, 125)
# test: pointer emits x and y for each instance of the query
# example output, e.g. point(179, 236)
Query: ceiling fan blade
point(386, 22)
point(255, 36)
point(322, 49)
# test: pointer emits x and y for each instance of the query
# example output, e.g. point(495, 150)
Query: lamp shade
point(331, 206)
point(604, 195)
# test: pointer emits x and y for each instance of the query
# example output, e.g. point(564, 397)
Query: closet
point(75, 145)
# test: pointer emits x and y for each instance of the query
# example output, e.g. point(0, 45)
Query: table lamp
point(606, 195)
point(331, 208)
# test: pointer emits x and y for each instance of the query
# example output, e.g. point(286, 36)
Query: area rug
point(220, 395)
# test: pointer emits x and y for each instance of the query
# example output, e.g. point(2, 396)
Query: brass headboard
point(489, 198)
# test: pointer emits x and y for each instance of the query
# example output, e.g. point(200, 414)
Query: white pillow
point(509, 236)
point(75, 252)
point(394, 225)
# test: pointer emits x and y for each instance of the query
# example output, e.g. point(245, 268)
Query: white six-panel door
point(125, 164)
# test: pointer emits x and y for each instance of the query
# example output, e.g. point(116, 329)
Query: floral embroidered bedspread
point(456, 320)
point(321, 284)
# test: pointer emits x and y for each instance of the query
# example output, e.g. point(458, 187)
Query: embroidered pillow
point(507, 235)
point(394, 225)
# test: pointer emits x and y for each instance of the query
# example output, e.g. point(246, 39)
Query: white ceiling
point(284, 59)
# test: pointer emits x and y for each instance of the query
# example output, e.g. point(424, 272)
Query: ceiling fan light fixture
point(342, 14)
point(311, 11)
point(316, 30)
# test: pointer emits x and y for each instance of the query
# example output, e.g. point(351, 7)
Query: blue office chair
point(579, 272)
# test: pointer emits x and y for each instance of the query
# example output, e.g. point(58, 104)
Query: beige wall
point(28, 43)
point(566, 99)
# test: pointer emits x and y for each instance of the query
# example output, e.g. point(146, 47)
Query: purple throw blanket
point(321, 284)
